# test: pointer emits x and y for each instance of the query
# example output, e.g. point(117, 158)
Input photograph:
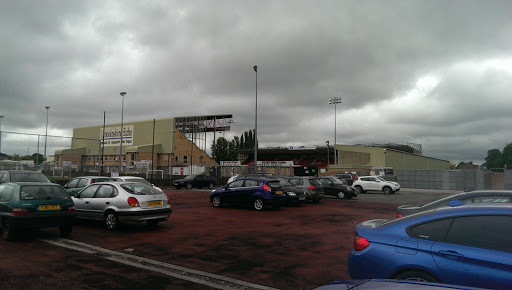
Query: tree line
point(224, 150)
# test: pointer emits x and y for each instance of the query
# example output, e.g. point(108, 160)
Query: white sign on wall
point(301, 147)
point(113, 135)
point(230, 163)
point(275, 163)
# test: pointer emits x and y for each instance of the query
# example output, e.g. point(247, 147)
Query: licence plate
point(49, 207)
point(302, 198)
point(154, 203)
point(279, 192)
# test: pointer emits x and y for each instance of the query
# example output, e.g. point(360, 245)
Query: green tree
point(507, 156)
point(494, 159)
point(15, 157)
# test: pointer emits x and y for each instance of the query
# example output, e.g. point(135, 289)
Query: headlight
point(291, 193)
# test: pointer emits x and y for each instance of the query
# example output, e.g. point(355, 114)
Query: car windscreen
point(315, 182)
point(37, 192)
point(190, 176)
point(139, 188)
point(28, 177)
point(284, 181)
point(102, 179)
point(335, 180)
point(274, 184)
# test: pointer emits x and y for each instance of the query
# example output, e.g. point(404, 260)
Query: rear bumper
point(144, 215)
point(41, 221)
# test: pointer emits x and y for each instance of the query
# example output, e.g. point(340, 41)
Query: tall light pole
point(1, 117)
point(334, 101)
point(121, 144)
point(256, 124)
point(46, 136)
point(327, 142)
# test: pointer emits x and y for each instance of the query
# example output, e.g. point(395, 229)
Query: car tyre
point(111, 221)
point(341, 195)
point(210, 186)
point(258, 204)
point(189, 185)
point(65, 230)
point(387, 190)
point(216, 201)
point(359, 189)
point(416, 276)
point(7, 231)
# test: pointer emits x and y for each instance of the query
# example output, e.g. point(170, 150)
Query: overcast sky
point(435, 73)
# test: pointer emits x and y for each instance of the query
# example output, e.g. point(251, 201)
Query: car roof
point(20, 183)
point(21, 171)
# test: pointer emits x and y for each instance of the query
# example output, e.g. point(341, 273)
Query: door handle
point(452, 254)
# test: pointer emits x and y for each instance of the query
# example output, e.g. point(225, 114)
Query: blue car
point(469, 245)
point(256, 192)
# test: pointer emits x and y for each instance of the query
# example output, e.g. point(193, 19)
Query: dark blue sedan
point(469, 245)
point(256, 192)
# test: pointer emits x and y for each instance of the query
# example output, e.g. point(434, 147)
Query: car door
point(232, 192)
point(82, 200)
point(248, 190)
point(70, 187)
point(101, 200)
point(372, 183)
point(477, 250)
point(328, 185)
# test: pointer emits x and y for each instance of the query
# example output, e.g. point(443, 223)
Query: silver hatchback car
point(118, 202)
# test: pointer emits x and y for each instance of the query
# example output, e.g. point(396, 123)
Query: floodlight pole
point(334, 101)
point(46, 136)
point(256, 124)
point(121, 144)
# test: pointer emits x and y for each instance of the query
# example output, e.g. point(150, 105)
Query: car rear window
point(36, 192)
point(140, 189)
point(104, 179)
point(315, 182)
point(29, 177)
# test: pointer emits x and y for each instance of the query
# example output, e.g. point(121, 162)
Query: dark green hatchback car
point(33, 205)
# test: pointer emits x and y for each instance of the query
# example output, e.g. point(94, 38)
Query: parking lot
point(291, 248)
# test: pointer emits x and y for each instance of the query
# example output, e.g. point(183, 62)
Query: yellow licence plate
point(279, 192)
point(49, 207)
point(154, 203)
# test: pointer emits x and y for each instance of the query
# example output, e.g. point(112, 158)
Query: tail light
point(354, 177)
point(266, 188)
point(399, 215)
point(90, 182)
point(360, 243)
point(168, 200)
point(132, 201)
point(71, 209)
point(312, 187)
point(19, 211)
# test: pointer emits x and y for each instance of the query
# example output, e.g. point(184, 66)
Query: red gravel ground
point(291, 248)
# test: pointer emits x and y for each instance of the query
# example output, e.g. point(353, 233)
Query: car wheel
point(111, 221)
point(387, 190)
point(189, 185)
point(359, 189)
point(7, 231)
point(210, 186)
point(416, 276)
point(258, 204)
point(153, 223)
point(216, 202)
point(341, 195)
point(65, 230)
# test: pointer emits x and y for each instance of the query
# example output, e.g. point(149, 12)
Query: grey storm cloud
point(434, 73)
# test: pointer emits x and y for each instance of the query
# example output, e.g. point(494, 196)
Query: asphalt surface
point(292, 248)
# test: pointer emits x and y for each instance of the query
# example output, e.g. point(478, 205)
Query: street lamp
point(1, 117)
point(121, 144)
point(256, 124)
point(46, 136)
point(334, 101)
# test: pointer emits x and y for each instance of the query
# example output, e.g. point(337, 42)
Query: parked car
point(195, 180)
point(35, 205)
point(335, 187)
point(311, 185)
point(375, 183)
point(119, 202)
point(22, 176)
point(349, 177)
point(373, 284)
point(477, 196)
point(467, 245)
point(256, 192)
point(76, 184)
point(293, 195)
point(136, 179)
